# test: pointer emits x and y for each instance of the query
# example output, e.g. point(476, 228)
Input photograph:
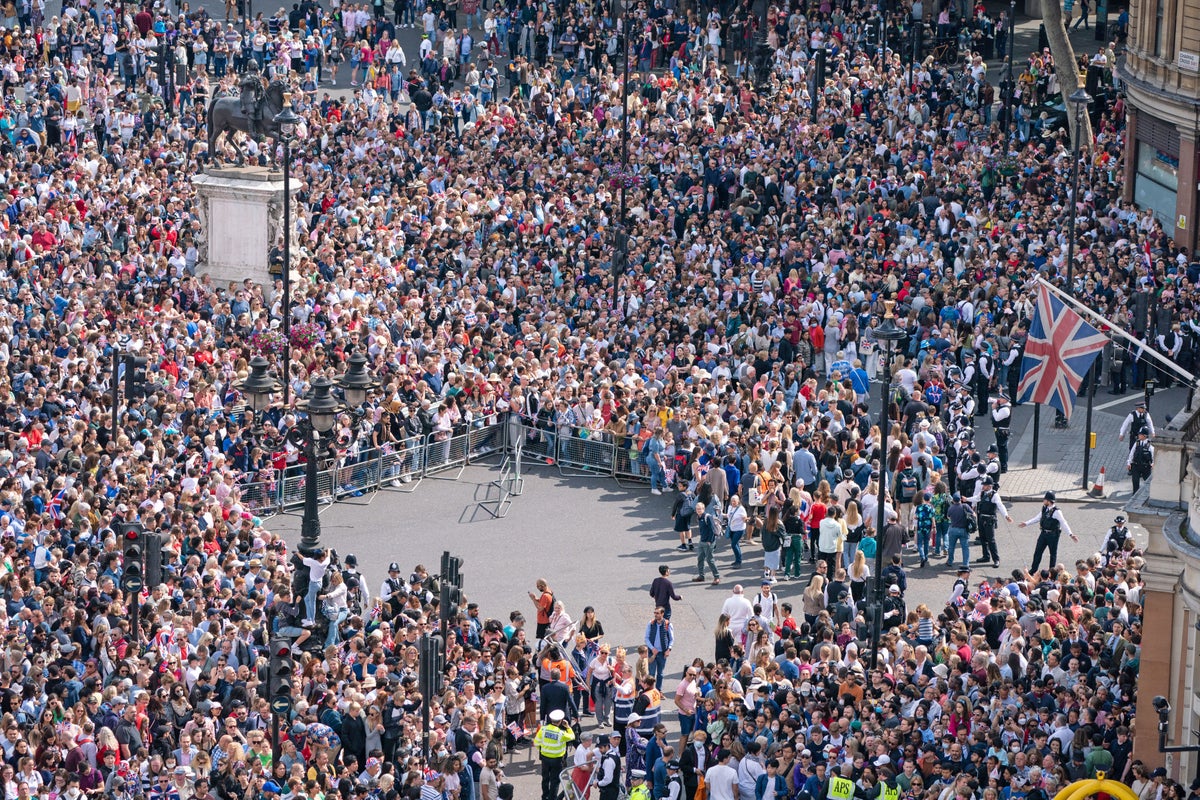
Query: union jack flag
point(56, 507)
point(1059, 351)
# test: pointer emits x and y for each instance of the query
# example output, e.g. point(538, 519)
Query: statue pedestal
point(241, 209)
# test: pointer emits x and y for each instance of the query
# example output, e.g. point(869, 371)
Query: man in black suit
point(556, 697)
point(692, 763)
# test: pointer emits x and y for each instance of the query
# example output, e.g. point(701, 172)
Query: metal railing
point(402, 466)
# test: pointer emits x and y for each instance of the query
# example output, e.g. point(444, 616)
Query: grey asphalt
point(598, 544)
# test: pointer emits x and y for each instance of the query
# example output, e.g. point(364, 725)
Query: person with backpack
point(682, 513)
point(907, 486)
point(962, 525)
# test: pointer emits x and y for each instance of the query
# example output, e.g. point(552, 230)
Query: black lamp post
point(321, 409)
point(888, 335)
point(620, 235)
point(288, 120)
point(1079, 100)
point(1009, 87)
point(764, 49)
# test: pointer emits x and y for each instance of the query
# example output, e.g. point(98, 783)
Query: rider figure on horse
point(253, 89)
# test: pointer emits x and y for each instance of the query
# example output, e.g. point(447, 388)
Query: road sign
point(281, 705)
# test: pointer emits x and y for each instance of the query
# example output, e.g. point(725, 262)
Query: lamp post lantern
point(321, 409)
point(889, 335)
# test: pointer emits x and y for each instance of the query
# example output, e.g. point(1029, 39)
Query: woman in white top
point(599, 678)
point(735, 517)
point(334, 606)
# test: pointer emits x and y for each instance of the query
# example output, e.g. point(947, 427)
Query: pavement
point(601, 544)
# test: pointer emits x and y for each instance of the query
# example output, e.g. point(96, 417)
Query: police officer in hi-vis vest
point(551, 742)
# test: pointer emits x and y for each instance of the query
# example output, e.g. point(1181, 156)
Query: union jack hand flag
point(1059, 351)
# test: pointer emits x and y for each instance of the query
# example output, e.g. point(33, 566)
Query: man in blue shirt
point(660, 637)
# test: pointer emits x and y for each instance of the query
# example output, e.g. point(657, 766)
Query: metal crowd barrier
point(260, 498)
point(403, 465)
point(487, 441)
point(590, 456)
point(446, 454)
point(628, 464)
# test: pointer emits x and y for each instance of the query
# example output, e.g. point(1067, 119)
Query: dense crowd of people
point(463, 242)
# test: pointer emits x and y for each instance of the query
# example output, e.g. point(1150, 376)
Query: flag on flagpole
point(1059, 351)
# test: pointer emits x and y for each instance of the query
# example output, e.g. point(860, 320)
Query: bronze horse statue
point(225, 116)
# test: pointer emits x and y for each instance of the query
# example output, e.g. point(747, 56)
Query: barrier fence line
point(402, 466)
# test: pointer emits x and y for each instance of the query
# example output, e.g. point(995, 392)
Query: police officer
point(1137, 421)
point(359, 598)
point(1116, 537)
point(991, 466)
point(674, 781)
point(551, 742)
point(969, 472)
point(1051, 524)
point(989, 507)
point(985, 370)
point(1001, 420)
point(608, 775)
point(639, 791)
point(1140, 462)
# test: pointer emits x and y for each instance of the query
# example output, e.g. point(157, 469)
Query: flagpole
point(1119, 331)
point(1087, 423)
point(1037, 426)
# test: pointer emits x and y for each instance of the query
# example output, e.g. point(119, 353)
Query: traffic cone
point(1098, 486)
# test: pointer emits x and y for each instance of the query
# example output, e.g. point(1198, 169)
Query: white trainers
point(656, 491)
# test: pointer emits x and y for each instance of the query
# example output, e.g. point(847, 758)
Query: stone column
point(241, 210)
point(1185, 198)
point(1131, 145)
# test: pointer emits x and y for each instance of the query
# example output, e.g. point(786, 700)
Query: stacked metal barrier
point(403, 465)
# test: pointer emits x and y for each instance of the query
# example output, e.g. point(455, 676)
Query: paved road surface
point(597, 544)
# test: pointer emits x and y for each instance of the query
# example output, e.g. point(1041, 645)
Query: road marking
point(1118, 402)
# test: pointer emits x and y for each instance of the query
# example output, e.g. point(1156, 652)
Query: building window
point(1159, 12)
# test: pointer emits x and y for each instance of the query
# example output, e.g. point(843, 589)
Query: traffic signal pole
point(116, 392)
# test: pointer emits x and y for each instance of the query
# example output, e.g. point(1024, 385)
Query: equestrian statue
point(253, 112)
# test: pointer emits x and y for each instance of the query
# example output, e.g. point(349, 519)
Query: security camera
point(1161, 705)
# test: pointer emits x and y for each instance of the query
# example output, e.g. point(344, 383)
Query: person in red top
point(43, 238)
point(543, 600)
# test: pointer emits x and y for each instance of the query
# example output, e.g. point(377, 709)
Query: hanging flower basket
point(267, 343)
point(307, 335)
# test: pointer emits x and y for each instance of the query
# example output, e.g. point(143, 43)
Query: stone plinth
point(241, 209)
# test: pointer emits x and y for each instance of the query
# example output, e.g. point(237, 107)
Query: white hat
point(557, 716)
point(635, 718)
point(882, 760)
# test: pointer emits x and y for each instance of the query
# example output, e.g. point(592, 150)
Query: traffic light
point(449, 605)
point(432, 664)
point(135, 376)
point(152, 544)
point(279, 676)
point(451, 569)
point(130, 534)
